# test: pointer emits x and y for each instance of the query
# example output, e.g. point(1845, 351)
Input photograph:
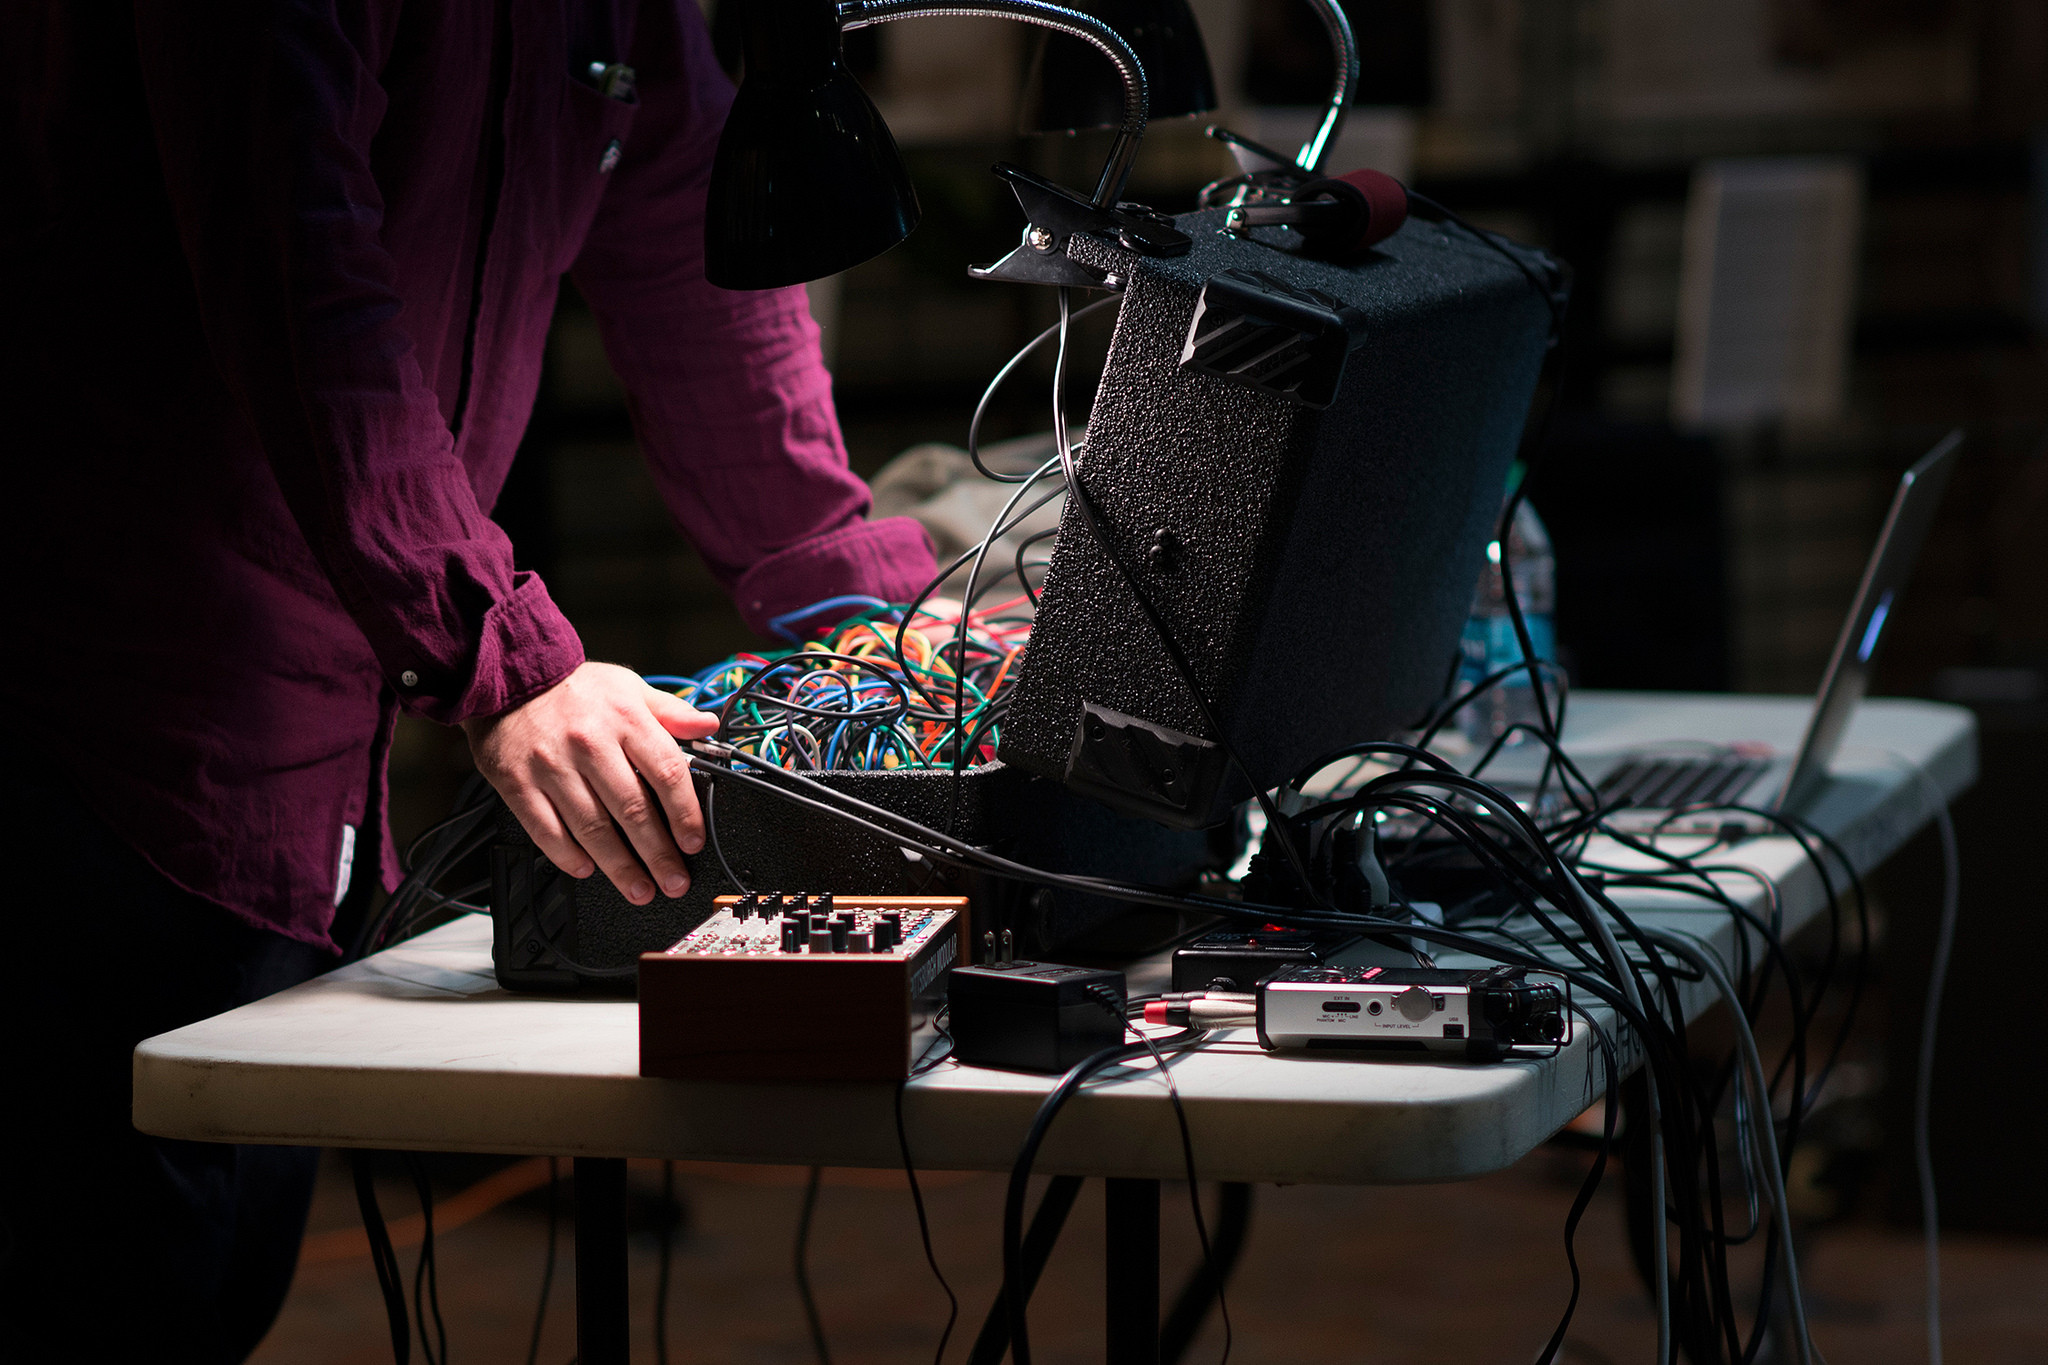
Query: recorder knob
point(1415, 1004)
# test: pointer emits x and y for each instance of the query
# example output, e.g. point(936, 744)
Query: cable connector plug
point(712, 748)
point(1204, 1009)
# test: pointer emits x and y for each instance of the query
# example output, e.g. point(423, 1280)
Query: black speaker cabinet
point(1302, 463)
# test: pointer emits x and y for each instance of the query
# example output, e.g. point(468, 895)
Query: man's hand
point(593, 755)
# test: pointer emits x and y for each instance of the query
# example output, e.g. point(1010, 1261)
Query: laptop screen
point(1891, 564)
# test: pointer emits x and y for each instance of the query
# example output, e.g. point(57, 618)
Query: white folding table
point(416, 1048)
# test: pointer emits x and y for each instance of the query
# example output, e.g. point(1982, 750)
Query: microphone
point(1339, 217)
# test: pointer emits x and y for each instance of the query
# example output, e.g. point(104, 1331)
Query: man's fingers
point(642, 815)
point(678, 717)
point(589, 821)
point(665, 768)
point(536, 814)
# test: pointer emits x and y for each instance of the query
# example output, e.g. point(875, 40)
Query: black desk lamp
point(808, 181)
point(1069, 93)
point(1071, 90)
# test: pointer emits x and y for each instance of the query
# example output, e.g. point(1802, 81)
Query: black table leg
point(1131, 1281)
point(602, 1320)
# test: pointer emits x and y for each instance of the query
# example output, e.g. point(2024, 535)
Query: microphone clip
point(1053, 214)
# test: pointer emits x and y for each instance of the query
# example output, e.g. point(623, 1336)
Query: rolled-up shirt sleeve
point(264, 112)
point(729, 396)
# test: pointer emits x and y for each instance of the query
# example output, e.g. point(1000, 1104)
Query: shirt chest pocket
point(589, 140)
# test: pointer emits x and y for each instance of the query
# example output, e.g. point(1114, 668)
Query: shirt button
point(409, 679)
point(609, 162)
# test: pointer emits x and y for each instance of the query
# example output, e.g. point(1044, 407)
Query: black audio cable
point(1023, 581)
point(1813, 842)
point(1210, 1271)
point(547, 1267)
point(801, 1261)
point(390, 1279)
point(426, 1274)
point(998, 528)
point(1794, 1060)
point(1003, 376)
point(1027, 1155)
point(1554, 295)
point(1690, 865)
point(711, 836)
point(431, 856)
point(1590, 1186)
point(924, 1230)
point(1549, 292)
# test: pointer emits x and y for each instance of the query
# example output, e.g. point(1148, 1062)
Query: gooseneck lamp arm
point(1310, 157)
point(1123, 151)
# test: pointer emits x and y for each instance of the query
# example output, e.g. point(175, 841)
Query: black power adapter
point(1033, 1016)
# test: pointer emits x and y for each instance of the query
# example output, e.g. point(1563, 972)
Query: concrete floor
point(1464, 1273)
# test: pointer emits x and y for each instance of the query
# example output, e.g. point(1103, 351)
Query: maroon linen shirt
point(279, 277)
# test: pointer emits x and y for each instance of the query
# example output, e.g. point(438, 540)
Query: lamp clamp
point(1053, 214)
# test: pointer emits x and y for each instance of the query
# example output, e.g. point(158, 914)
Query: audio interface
point(1478, 1015)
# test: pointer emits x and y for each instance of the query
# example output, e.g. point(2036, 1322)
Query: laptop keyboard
point(1673, 783)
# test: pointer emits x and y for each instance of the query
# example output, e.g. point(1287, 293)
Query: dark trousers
point(115, 1246)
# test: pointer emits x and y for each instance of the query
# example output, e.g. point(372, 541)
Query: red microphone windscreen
point(1386, 203)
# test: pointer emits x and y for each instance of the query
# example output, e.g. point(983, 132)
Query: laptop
point(1644, 789)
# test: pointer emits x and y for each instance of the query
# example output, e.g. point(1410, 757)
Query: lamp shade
point(1072, 87)
point(807, 181)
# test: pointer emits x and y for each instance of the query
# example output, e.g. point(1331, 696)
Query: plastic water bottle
point(1489, 643)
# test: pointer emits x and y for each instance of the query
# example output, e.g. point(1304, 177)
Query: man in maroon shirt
point(279, 276)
